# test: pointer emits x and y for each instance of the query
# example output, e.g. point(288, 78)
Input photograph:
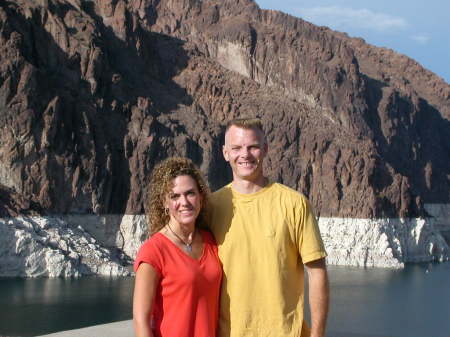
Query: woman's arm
point(145, 285)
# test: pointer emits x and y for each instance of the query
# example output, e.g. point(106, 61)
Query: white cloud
point(421, 38)
point(341, 18)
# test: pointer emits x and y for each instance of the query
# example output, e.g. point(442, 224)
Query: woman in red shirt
point(178, 272)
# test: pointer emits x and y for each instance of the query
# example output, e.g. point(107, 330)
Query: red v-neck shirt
point(187, 297)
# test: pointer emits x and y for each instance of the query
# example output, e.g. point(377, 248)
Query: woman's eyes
point(176, 196)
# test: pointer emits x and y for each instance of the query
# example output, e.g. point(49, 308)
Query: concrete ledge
point(116, 329)
point(125, 329)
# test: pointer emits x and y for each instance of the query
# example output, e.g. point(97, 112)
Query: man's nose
point(245, 152)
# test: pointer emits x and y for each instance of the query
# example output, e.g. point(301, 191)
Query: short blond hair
point(245, 123)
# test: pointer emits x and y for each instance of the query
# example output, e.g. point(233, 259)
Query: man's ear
point(225, 153)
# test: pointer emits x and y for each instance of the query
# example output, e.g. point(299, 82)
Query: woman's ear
point(166, 206)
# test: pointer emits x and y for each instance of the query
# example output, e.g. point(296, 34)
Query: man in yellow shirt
point(266, 233)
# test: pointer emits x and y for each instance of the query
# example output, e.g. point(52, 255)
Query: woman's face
point(184, 201)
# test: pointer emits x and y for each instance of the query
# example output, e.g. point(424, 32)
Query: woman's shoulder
point(150, 252)
point(154, 241)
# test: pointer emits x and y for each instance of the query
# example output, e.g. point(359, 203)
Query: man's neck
point(249, 186)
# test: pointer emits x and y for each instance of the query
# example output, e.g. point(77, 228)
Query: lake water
point(413, 302)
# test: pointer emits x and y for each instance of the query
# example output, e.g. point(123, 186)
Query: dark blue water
point(413, 302)
point(30, 307)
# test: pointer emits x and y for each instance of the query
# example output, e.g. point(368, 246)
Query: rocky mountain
point(94, 93)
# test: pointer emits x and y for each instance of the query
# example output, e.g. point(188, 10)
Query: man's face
point(245, 150)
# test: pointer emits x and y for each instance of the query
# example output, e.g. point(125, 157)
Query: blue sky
point(417, 28)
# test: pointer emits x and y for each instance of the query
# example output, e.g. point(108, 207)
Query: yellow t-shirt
point(264, 239)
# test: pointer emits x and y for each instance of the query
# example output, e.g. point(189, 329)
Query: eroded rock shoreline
point(77, 245)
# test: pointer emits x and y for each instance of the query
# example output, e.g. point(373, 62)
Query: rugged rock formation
point(38, 246)
point(382, 242)
point(94, 93)
point(55, 247)
point(14, 204)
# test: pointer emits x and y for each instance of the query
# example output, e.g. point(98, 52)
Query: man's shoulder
point(288, 192)
point(222, 190)
point(221, 193)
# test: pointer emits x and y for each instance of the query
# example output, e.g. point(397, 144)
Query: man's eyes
point(251, 147)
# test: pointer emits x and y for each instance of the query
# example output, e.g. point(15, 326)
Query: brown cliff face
point(94, 93)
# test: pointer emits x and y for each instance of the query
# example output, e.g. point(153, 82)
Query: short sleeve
point(310, 242)
point(208, 237)
point(210, 241)
point(149, 253)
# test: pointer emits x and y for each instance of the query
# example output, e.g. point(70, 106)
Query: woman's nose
point(184, 200)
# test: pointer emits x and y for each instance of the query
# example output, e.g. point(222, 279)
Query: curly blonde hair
point(160, 184)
